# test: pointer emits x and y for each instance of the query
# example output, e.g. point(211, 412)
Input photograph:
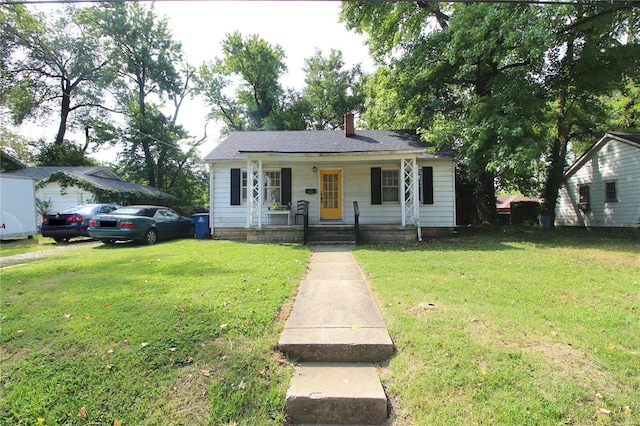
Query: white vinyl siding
point(60, 199)
point(613, 161)
point(356, 182)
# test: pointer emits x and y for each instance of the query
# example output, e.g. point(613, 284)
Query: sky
point(299, 27)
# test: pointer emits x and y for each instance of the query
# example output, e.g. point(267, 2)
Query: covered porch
point(332, 190)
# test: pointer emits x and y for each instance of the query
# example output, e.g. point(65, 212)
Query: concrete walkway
point(336, 332)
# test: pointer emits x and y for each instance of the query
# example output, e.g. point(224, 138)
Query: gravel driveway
point(17, 259)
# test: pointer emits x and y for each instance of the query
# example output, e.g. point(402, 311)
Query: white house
point(401, 188)
point(602, 188)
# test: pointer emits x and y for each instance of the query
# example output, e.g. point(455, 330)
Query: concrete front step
point(335, 393)
point(325, 234)
point(339, 344)
point(335, 320)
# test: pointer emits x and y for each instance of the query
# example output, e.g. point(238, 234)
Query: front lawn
point(529, 327)
point(182, 332)
point(532, 327)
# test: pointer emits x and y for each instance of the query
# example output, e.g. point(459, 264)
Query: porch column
point(254, 193)
point(211, 198)
point(409, 187)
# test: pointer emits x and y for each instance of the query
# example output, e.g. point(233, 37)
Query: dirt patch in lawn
point(19, 259)
point(564, 360)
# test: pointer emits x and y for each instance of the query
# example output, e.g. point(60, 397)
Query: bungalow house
point(387, 182)
point(58, 187)
point(602, 188)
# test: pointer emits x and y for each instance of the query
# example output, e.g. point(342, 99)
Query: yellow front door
point(330, 194)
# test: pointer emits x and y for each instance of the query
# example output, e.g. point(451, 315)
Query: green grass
point(531, 327)
point(528, 327)
point(182, 332)
point(26, 245)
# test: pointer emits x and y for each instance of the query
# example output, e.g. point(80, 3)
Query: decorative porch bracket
point(255, 194)
point(410, 201)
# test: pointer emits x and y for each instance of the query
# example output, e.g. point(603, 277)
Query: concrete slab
point(336, 344)
point(334, 271)
point(335, 320)
point(333, 393)
point(334, 303)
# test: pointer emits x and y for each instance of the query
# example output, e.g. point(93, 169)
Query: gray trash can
point(201, 225)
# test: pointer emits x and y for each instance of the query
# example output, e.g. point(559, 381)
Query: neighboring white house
point(602, 188)
point(252, 173)
point(63, 187)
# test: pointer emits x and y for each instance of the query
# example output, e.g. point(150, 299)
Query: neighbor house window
point(611, 194)
point(584, 197)
point(390, 185)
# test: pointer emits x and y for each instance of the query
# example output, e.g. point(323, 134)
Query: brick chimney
point(349, 128)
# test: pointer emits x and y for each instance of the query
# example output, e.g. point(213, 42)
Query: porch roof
point(321, 142)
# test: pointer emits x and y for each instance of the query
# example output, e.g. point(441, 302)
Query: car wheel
point(150, 237)
point(192, 232)
point(61, 240)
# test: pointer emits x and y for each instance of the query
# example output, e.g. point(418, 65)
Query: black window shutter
point(376, 185)
point(285, 175)
point(427, 185)
point(236, 182)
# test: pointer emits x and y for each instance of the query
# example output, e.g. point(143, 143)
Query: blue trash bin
point(201, 225)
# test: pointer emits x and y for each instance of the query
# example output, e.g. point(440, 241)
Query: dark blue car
point(72, 222)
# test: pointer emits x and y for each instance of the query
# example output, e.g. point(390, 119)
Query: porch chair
point(299, 210)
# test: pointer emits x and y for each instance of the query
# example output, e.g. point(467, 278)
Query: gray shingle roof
point(319, 142)
point(93, 175)
point(43, 172)
point(633, 137)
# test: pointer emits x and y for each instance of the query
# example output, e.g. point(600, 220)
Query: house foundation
point(294, 234)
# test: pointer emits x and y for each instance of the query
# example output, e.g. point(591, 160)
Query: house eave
point(594, 148)
point(332, 156)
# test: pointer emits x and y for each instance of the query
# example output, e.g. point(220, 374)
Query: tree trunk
point(148, 160)
point(485, 179)
point(486, 198)
point(65, 109)
point(557, 161)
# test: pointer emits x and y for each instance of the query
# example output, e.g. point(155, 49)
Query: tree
point(63, 67)
point(511, 86)
point(156, 151)
point(291, 114)
point(460, 75)
point(624, 105)
point(591, 57)
point(16, 146)
point(148, 58)
point(256, 65)
point(14, 20)
point(331, 90)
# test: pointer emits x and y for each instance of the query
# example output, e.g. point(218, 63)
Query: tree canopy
point(257, 65)
point(516, 89)
point(508, 85)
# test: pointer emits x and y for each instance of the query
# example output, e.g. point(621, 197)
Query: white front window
point(390, 185)
point(272, 187)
